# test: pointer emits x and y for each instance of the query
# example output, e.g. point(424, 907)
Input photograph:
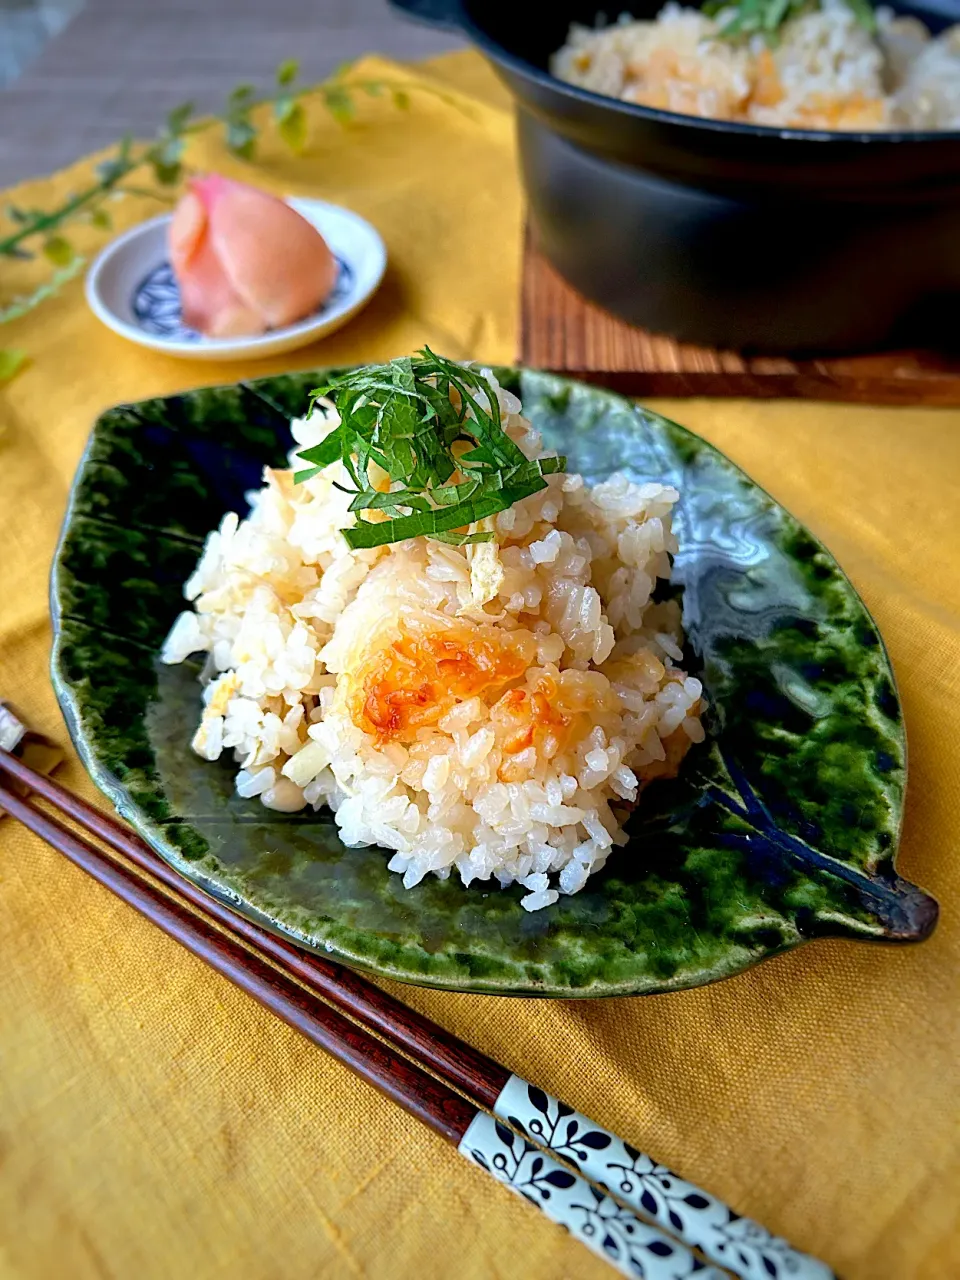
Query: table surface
point(118, 67)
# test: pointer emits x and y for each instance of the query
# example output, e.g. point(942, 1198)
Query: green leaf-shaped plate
point(782, 827)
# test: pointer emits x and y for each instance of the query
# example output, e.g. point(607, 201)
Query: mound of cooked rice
point(493, 708)
point(826, 72)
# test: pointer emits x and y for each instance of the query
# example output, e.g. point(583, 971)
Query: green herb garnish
point(413, 417)
point(766, 17)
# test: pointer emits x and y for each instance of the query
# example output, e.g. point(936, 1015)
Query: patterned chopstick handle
point(658, 1195)
point(631, 1245)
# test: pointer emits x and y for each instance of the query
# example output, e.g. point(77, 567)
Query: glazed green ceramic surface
point(782, 827)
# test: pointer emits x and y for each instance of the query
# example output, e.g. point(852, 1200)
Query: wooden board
point(563, 332)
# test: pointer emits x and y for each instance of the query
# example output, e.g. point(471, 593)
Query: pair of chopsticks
point(510, 1128)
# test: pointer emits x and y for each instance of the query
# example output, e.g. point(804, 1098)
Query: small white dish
point(131, 288)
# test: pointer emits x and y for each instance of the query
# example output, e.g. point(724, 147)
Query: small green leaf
point(241, 95)
point(339, 104)
point(863, 12)
point(59, 251)
point(401, 99)
point(327, 451)
point(287, 72)
point(164, 157)
point(748, 17)
point(100, 219)
point(168, 175)
point(11, 363)
point(293, 127)
point(17, 215)
point(464, 539)
point(242, 138)
point(111, 170)
point(308, 474)
point(178, 118)
point(373, 88)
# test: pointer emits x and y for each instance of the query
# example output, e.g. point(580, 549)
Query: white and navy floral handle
point(633, 1246)
point(601, 1221)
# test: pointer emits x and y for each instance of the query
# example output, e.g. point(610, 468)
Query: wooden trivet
point(563, 332)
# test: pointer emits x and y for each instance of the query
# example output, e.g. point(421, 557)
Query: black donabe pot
point(726, 234)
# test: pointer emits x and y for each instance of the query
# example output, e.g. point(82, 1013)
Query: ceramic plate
point(131, 288)
point(782, 827)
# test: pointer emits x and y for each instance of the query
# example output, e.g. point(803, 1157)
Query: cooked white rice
point(494, 708)
point(826, 72)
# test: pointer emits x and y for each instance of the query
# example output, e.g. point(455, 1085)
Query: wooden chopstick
point(455, 1061)
point(410, 1086)
point(698, 1219)
point(476, 1134)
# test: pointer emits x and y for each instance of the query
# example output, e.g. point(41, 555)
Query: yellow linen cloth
point(157, 1123)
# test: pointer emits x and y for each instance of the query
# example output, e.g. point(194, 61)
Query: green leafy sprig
point(766, 17)
point(39, 232)
point(164, 156)
point(424, 421)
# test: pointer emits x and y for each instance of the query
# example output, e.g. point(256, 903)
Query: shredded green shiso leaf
point(766, 17)
point(401, 416)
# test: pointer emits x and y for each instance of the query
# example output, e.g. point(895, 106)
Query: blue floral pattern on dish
point(156, 302)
